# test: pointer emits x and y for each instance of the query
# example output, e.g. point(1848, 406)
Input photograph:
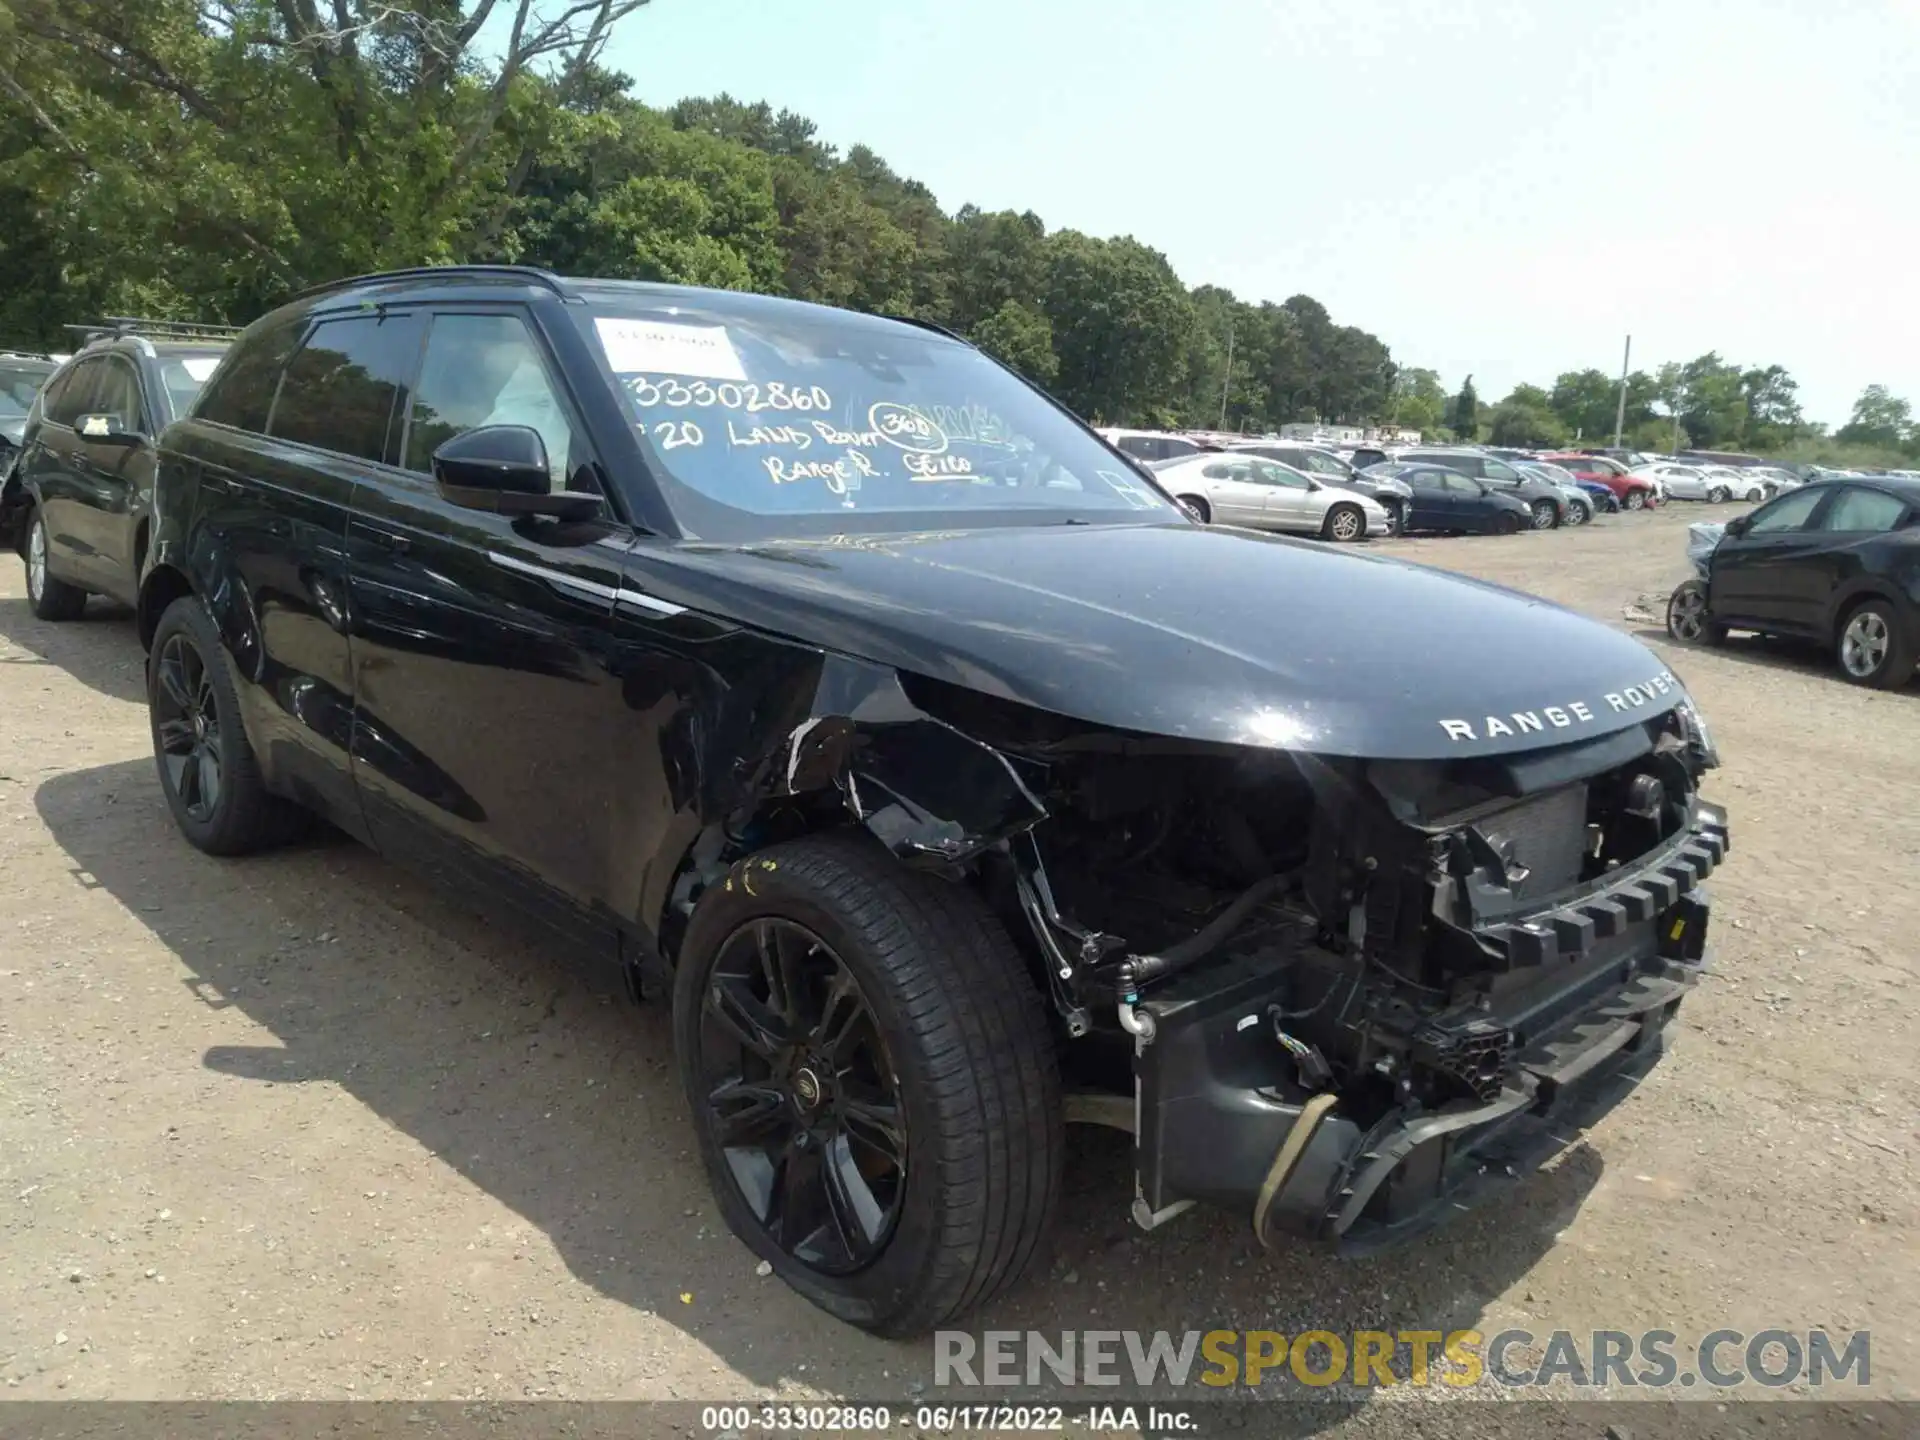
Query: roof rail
point(531, 273)
point(153, 329)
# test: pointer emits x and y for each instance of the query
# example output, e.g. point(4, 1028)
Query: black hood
point(1202, 632)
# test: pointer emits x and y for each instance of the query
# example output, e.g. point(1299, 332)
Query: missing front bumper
point(1223, 1120)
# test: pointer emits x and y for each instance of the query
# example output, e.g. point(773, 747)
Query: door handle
point(385, 539)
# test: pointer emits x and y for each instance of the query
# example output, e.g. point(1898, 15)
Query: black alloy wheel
point(872, 1080)
point(802, 1097)
point(1508, 523)
point(207, 767)
point(186, 727)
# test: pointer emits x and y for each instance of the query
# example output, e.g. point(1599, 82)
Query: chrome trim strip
point(563, 581)
point(558, 578)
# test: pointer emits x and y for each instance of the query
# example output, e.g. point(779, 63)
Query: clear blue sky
point(1505, 187)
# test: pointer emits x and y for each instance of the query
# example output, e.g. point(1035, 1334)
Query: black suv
point(79, 501)
point(817, 669)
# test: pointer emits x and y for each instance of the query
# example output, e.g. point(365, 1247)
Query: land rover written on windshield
point(814, 670)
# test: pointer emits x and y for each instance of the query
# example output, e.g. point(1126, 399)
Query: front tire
point(48, 597)
point(207, 767)
point(1717, 495)
point(1636, 500)
point(1507, 524)
point(1871, 648)
point(1688, 619)
point(1344, 524)
point(1200, 508)
point(872, 1081)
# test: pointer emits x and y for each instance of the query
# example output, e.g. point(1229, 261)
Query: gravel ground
point(296, 1127)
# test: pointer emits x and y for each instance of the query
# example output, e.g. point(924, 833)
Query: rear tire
point(1199, 507)
point(1507, 524)
point(1344, 524)
point(952, 1013)
point(48, 597)
point(1871, 648)
point(207, 767)
point(1546, 515)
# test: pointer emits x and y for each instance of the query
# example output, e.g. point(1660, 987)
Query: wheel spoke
point(174, 681)
point(780, 968)
point(732, 1002)
point(188, 782)
point(209, 777)
point(749, 1113)
point(876, 1125)
point(858, 1218)
point(800, 1202)
point(176, 736)
point(841, 1014)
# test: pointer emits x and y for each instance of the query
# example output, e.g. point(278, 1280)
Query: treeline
point(202, 159)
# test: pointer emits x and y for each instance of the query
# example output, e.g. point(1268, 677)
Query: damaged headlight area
point(1335, 995)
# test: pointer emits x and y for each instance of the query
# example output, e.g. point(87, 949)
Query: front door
point(114, 478)
point(1429, 509)
point(485, 705)
point(1288, 497)
point(1755, 575)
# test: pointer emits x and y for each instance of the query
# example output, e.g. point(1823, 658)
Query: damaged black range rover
point(815, 668)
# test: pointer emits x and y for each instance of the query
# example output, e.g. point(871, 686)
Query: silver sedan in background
point(1224, 488)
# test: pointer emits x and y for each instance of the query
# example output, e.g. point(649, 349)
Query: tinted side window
point(1789, 512)
point(118, 395)
point(76, 396)
point(488, 370)
point(339, 390)
point(1175, 446)
point(1872, 511)
point(241, 395)
point(1137, 445)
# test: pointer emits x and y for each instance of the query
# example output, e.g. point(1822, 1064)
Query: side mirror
point(503, 468)
point(106, 430)
point(1738, 525)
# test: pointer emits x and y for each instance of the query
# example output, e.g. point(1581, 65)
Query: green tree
point(1418, 402)
point(1879, 418)
point(1020, 336)
point(1584, 401)
point(1120, 321)
point(1526, 418)
point(1463, 416)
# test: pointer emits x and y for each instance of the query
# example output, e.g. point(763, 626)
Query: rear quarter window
point(241, 394)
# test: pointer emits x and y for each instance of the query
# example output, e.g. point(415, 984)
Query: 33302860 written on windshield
point(771, 420)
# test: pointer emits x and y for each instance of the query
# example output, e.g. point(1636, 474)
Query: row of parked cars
point(815, 675)
point(1346, 495)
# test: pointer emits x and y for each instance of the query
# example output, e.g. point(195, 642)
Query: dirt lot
point(295, 1127)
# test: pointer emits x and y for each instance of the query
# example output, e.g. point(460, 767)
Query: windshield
point(18, 385)
point(185, 373)
point(781, 420)
point(1554, 473)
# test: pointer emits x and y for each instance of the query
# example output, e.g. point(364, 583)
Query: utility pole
point(1620, 412)
point(1227, 381)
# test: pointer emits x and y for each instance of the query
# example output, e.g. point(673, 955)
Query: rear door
point(303, 413)
point(1760, 579)
point(1828, 574)
point(485, 703)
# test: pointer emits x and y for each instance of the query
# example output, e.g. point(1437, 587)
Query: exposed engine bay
point(1402, 936)
point(1334, 991)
